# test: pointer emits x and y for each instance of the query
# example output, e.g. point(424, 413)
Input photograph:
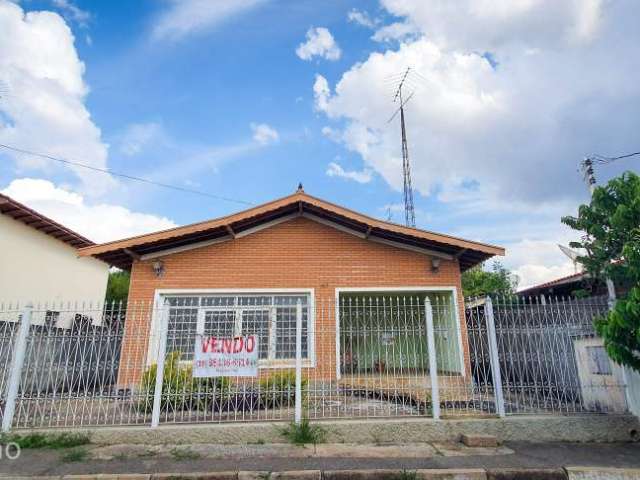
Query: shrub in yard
point(180, 391)
point(279, 389)
point(304, 433)
point(40, 440)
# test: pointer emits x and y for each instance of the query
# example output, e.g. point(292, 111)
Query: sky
point(243, 100)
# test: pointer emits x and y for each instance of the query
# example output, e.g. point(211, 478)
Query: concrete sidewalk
point(183, 459)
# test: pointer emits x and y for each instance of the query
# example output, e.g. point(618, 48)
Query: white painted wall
point(35, 267)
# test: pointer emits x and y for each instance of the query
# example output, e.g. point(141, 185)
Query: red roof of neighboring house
point(122, 252)
point(38, 221)
point(575, 277)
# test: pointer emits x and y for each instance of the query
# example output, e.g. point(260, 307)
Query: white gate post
point(298, 400)
point(162, 349)
point(494, 359)
point(433, 367)
point(17, 362)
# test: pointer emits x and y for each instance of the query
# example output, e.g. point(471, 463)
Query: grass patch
point(259, 441)
point(407, 475)
point(75, 455)
point(304, 433)
point(147, 454)
point(184, 454)
point(52, 441)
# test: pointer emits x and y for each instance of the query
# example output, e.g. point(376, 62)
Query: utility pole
point(409, 210)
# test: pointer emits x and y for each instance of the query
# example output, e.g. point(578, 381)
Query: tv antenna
point(572, 254)
point(409, 210)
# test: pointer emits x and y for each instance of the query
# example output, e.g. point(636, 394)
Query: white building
point(39, 264)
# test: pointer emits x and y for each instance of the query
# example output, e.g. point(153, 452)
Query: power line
point(587, 166)
point(122, 175)
point(603, 159)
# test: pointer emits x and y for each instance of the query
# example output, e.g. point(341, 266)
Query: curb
point(568, 473)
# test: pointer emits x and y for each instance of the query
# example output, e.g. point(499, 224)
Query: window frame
point(268, 363)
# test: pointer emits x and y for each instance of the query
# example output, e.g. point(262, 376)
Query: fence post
point(494, 359)
point(17, 362)
point(162, 349)
point(433, 367)
point(298, 400)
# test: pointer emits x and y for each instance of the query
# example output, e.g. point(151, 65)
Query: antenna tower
point(409, 211)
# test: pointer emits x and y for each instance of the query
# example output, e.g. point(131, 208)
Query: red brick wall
point(299, 253)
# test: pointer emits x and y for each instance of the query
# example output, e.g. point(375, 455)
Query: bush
point(304, 432)
point(279, 389)
point(180, 391)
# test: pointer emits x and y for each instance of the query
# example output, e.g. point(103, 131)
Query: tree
point(499, 280)
point(611, 240)
point(118, 286)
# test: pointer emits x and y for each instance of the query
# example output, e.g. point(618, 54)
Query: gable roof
point(122, 252)
point(42, 223)
point(574, 277)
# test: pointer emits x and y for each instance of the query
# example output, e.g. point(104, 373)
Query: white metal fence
point(362, 356)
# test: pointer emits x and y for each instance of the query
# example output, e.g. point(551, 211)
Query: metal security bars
point(360, 355)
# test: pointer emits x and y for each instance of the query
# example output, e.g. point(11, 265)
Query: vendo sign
point(225, 356)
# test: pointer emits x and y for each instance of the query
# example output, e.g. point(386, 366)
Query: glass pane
point(254, 300)
point(218, 301)
point(286, 333)
point(290, 299)
point(181, 331)
point(220, 323)
point(256, 322)
point(183, 301)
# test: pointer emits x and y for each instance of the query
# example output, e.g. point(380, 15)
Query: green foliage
point(118, 286)
point(184, 454)
point(611, 240)
point(279, 388)
point(75, 455)
point(40, 440)
point(304, 433)
point(407, 475)
point(180, 391)
point(478, 282)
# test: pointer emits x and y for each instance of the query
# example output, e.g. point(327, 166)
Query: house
point(244, 274)
point(570, 285)
point(39, 263)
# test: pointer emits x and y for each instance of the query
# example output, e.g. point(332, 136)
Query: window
point(599, 363)
point(271, 318)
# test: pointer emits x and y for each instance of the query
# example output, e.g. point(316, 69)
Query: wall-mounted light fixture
point(435, 264)
point(158, 268)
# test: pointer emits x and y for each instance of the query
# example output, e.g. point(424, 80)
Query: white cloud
point(335, 170)
point(319, 43)
point(186, 17)
point(321, 93)
point(45, 109)
point(100, 222)
point(489, 24)
point(72, 12)
point(137, 136)
point(498, 139)
point(398, 31)
point(264, 134)
point(362, 18)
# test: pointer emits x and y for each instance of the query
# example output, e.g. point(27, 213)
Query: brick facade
point(299, 253)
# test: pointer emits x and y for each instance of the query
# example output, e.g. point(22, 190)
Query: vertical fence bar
point(433, 367)
point(494, 360)
point(16, 367)
point(298, 401)
point(162, 348)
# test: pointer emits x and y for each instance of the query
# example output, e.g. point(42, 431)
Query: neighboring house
point(39, 264)
point(245, 272)
point(570, 286)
